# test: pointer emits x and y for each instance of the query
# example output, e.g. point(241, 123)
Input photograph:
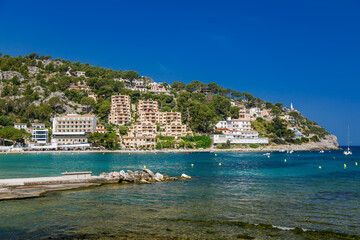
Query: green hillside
point(35, 88)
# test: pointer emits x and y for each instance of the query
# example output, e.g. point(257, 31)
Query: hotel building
point(72, 128)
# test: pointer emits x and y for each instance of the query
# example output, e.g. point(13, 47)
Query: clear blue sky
point(305, 52)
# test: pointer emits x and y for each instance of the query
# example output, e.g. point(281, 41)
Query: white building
point(235, 124)
point(80, 74)
point(237, 131)
point(255, 112)
point(20, 126)
point(39, 133)
point(239, 138)
point(72, 129)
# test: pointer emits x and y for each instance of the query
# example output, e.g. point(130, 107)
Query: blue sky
point(305, 52)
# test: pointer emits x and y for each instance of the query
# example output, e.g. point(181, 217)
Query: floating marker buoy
point(268, 156)
point(285, 160)
point(215, 154)
point(319, 167)
point(187, 153)
point(144, 167)
point(344, 165)
point(355, 163)
point(219, 164)
point(192, 165)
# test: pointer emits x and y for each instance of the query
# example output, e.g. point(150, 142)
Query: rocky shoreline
point(18, 188)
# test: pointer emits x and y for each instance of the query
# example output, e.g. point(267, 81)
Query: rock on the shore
point(144, 176)
point(185, 176)
point(158, 177)
point(148, 171)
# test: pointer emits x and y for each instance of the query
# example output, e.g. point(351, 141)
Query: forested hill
point(35, 88)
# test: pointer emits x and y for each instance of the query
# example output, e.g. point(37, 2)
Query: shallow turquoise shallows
point(220, 201)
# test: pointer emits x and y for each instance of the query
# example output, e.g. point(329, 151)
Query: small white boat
point(266, 154)
point(281, 150)
point(348, 152)
point(322, 151)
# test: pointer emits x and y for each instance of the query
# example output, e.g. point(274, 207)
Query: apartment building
point(235, 124)
point(148, 116)
point(143, 129)
point(72, 128)
point(243, 112)
point(159, 89)
point(237, 131)
point(175, 129)
point(168, 117)
point(148, 105)
point(39, 133)
point(131, 142)
point(120, 110)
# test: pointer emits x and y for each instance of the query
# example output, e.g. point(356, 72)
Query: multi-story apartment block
point(148, 105)
point(168, 117)
point(235, 124)
point(143, 129)
point(148, 116)
point(131, 142)
point(159, 89)
point(175, 129)
point(243, 112)
point(72, 128)
point(39, 133)
point(120, 110)
point(237, 131)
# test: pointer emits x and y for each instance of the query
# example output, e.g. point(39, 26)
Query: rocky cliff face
point(7, 75)
point(328, 143)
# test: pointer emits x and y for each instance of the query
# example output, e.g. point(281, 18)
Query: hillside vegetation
point(35, 88)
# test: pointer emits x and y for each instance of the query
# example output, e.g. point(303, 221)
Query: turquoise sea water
point(227, 201)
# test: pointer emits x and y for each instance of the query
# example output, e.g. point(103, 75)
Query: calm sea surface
point(227, 201)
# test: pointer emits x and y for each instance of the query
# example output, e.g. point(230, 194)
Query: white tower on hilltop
point(291, 106)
